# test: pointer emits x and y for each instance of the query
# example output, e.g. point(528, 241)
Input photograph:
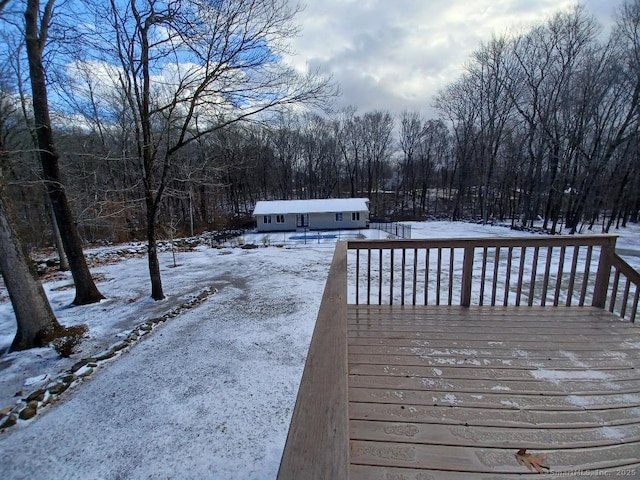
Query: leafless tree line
point(177, 114)
point(136, 86)
point(545, 124)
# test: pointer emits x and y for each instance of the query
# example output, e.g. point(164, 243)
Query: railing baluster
point(415, 275)
point(368, 276)
point(451, 259)
point(635, 305)
point(402, 277)
point(534, 271)
point(494, 286)
point(392, 252)
point(483, 275)
point(585, 278)
point(625, 298)
point(556, 295)
point(508, 277)
point(572, 276)
point(439, 275)
point(380, 278)
point(426, 276)
point(523, 252)
point(547, 269)
point(614, 290)
point(357, 276)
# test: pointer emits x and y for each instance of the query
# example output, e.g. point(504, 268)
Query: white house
point(327, 214)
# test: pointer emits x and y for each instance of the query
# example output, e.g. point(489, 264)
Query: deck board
point(452, 392)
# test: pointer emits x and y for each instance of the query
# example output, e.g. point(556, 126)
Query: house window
point(355, 216)
point(339, 217)
point(267, 219)
point(279, 218)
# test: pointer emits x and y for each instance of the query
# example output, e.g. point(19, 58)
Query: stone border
point(34, 401)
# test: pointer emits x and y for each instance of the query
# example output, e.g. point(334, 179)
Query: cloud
point(397, 55)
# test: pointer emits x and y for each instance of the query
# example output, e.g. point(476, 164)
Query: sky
point(397, 55)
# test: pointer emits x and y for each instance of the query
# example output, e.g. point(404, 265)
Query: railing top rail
point(317, 444)
point(626, 269)
point(526, 241)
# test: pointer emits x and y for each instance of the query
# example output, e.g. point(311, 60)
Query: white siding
point(321, 214)
point(327, 221)
point(288, 225)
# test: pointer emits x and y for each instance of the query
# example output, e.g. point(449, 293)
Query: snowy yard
point(209, 393)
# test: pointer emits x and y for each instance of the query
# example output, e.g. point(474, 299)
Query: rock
point(85, 372)
point(38, 395)
point(78, 365)
point(105, 355)
point(33, 404)
point(119, 346)
point(10, 421)
point(5, 411)
point(27, 413)
point(68, 378)
point(58, 388)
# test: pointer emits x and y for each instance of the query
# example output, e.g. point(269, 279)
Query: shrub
point(64, 340)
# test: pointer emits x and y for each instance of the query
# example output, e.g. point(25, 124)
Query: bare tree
point(411, 136)
point(36, 321)
point(189, 68)
point(31, 307)
point(377, 142)
point(36, 31)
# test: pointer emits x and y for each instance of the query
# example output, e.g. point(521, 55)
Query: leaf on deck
point(531, 461)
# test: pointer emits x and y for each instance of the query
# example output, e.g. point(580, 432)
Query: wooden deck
point(526, 343)
point(454, 392)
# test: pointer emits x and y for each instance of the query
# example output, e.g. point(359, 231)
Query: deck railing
point(573, 271)
point(318, 441)
point(545, 271)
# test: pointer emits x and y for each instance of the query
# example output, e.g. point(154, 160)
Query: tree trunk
point(64, 263)
point(152, 256)
point(30, 304)
point(86, 290)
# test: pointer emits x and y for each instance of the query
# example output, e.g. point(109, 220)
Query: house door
point(302, 220)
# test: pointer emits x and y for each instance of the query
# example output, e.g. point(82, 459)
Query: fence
point(400, 230)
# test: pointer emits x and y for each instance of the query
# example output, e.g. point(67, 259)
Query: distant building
point(327, 214)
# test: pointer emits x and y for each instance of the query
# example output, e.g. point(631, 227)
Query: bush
point(64, 340)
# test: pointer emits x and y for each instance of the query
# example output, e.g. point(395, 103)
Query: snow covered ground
point(208, 394)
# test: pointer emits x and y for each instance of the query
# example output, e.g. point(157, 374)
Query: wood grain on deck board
point(453, 393)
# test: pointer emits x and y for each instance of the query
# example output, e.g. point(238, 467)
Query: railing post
point(467, 270)
point(604, 270)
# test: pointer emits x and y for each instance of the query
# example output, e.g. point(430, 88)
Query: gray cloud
point(397, 55)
